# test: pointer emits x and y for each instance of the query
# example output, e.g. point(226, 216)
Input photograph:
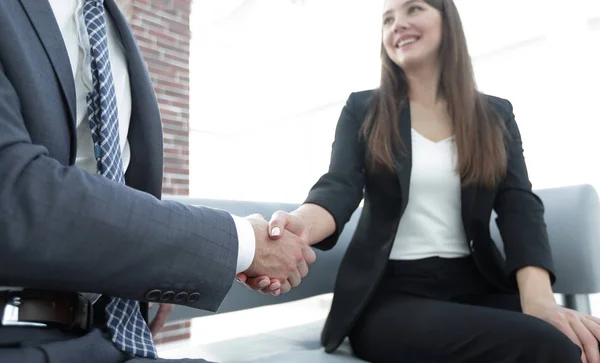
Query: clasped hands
point(282, 254)
point(281, 259)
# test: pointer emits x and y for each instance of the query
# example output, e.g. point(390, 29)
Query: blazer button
point(471, 246)
point(167, 296)
point(181, 297)
point(153, 295)
point(195, 296)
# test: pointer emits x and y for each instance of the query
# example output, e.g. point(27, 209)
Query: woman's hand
point(262, 284)
point(583, 330)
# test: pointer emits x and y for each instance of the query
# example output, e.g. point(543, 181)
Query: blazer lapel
point(41, 16)
point(404, 157)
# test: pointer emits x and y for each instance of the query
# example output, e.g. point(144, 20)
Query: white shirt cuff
point(246, 243)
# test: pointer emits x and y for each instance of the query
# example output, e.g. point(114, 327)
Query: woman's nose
point(400, 24)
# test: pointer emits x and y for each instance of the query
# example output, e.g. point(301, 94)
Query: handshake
point(282, 254)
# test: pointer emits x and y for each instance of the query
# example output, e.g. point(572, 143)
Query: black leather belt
point(39, 308)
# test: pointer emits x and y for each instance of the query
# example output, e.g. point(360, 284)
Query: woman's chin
point(408, 63)
point(411, 62)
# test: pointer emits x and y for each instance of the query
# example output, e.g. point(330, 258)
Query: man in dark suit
point(84, 235)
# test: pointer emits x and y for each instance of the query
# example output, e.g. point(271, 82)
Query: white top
point(432, 222)
point(69, 16)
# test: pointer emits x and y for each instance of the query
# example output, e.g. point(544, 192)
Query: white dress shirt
point(432, 222)
point(69, 17)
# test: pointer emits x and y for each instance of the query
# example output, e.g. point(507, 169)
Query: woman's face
point(412, 32)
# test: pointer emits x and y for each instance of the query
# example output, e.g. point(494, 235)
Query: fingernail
point(263, 284)
point(238, 280)
point(275, 231)
point(273, 294)
point(275, 287)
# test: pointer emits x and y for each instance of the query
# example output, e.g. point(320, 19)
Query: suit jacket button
point(181, 297)
point(167, 296)
point(471, 245)
point(153, 295)
point(195, 296)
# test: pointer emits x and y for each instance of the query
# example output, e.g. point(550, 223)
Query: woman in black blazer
point(422, 281)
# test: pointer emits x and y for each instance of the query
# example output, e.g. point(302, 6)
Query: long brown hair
point(478, 131)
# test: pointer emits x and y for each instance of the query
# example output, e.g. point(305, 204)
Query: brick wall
point(163, 33)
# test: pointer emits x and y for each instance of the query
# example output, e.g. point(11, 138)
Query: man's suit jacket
point(64, 229)
point(340, 190)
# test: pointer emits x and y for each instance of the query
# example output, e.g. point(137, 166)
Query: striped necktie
point(125, 323)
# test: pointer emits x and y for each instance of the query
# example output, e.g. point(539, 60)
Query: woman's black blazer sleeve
point(520, 212)
point(341, 189)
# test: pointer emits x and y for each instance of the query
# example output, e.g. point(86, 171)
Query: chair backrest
point(573, 221)
point(572, 215)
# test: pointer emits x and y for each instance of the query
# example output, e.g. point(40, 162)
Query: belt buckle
point(10, 315)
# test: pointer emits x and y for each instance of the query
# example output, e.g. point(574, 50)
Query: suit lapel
point(145, 129)
point(129, 43)
point(404, 157)
point(41, 16)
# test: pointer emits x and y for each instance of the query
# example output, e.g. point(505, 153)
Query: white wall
point(269, 79)
point(268, 84)
point(552, 78)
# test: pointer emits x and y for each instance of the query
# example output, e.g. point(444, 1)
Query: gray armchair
point(572, 216)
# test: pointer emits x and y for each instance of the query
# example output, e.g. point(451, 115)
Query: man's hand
point(281, 223)
point(284, 260)
point(164, 310)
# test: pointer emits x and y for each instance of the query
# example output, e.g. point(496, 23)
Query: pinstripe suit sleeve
point(64, 229)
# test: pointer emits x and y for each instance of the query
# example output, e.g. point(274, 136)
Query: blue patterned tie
point(125, 323)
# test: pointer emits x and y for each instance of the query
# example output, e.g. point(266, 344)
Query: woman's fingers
point(593, 318)
point(256, 283)
point(566, 328)
point(274, 288)
point(589, 344)
point(278, 223)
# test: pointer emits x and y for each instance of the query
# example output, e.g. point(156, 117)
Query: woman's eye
point(387, 20)
point(414, 9)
